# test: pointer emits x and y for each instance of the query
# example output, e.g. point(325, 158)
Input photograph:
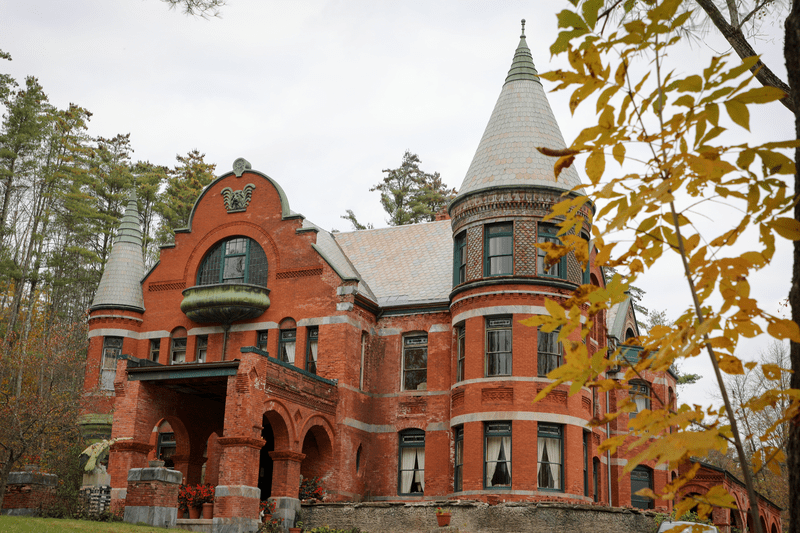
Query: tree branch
point(739, 43)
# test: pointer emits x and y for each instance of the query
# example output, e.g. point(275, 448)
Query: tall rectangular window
point(166, 447)
point(155, 349)
point(112, 349)
point(498, 346)
point(586, 437)
point(497, 454)
point(311, 350)
point(415, 362)
point(641, 478)
point(178, 350)
point(288, 340)
point(363, 356)
point(460, 259)
point(202, 348)
point(462, 347)
point(549, 352)
point(550, 453)
point(640, 394)
point(499, 249)
point(261, 339)
point(458, 470)
point(596, 479)
point(412, 462)
point(557, 269)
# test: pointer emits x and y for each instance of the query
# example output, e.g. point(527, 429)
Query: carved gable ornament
point(237, 201)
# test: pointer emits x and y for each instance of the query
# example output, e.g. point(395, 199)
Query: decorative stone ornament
point(240, 165)
point(237, 201)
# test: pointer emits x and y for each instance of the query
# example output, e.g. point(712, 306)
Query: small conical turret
point(120, 287)
point(521, 121)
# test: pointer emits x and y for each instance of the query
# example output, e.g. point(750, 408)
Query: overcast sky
point(322, 96)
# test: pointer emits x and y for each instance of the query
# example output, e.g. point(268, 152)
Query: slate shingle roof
point(121, 287)
point(403, 264)
point(522, 120)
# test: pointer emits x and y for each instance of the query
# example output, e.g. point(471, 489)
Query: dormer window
point(234, 260)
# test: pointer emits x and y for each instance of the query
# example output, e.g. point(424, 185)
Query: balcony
point(224, 303)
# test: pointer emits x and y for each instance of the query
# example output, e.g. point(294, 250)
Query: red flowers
point(195, 495)
point(311, 489)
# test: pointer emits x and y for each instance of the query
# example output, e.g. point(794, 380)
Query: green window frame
point(411, 463)
point(641, 478)
point(415, 362)
point(550, 445)
point(166, 448)
point(202, 349)
point(499, 249)
point(288, 343)
point(460, 259)
point(461, 352)
point(155, 349)
point(234, 260)
point(262, 336)
point(640, 396)
point(549, 352)
point(557, 269)
point(112, 350)
point(497, 455)
point(311, 349)
point(499, 342)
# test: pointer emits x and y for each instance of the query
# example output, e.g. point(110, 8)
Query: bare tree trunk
point(791, 51)
point(737, 40)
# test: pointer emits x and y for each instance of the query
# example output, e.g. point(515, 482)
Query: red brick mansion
point(390, 362)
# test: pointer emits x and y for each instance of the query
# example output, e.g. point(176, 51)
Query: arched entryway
point(276, 436)
point(318, 451)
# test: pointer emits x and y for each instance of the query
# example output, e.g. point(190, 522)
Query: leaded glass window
point(234, 260)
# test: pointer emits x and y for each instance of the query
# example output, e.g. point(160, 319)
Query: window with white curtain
point(548, 351)
point(412, 462)
point(287, 345)
point(498, 346)
point(112, 349)
point(497, 454)
point(550, 453)
point(311, 350)
point(640, 394)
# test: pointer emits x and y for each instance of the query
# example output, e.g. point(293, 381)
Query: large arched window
point(234, 260)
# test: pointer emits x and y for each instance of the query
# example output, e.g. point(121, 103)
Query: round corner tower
point(115, 318)
point(499, 279)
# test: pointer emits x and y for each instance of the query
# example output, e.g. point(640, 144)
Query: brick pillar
point(286, 484)
point(237, 496)
point(152, 496)
point(190, 467)
point(27, 492)
point(125, 454)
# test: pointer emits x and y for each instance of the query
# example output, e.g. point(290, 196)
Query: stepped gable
point(521, 121)
point(120, 287)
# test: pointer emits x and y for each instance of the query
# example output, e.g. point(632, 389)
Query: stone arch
point(763, 523)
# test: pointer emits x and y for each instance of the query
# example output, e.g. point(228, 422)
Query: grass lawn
point(23, 524)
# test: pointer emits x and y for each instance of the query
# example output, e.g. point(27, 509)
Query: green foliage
point(185, 183)
point(351, 217)
point(410, 195)
point(664, 130)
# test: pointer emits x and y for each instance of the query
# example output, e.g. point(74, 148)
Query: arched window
point(234, 260)
point(177, 348)
point(641, 478)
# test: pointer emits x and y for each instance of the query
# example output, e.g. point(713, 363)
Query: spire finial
point(523, 30)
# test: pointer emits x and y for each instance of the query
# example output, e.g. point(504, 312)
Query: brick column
point(286, 484)
point(125, 454)
point(237, 496)
point(190, 467)
point(152, 496)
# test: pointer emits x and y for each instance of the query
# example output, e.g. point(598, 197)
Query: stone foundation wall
point(28, 492)
point(478, 517)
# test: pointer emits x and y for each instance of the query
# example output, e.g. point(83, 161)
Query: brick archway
point(318, 449)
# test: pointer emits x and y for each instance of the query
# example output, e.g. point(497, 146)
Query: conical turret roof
point(120, 287)
point(521, 121)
